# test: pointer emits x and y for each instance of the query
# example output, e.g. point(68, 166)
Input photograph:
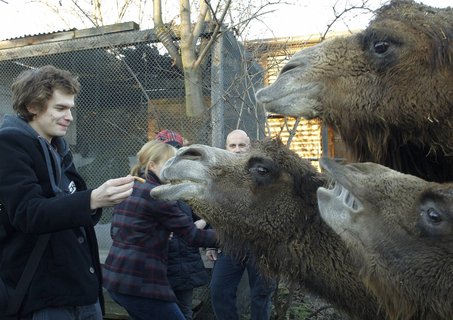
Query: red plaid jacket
point(141, 226)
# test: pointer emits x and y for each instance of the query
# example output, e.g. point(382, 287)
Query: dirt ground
point(308, 306)
point(304, 306)
point(320, 309)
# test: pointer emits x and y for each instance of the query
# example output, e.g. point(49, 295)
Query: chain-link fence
point(131, 90)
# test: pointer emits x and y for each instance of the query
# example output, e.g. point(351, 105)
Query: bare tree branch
point(84, 13)
point(216, 31)
point(163, 33)
point(98, 12)
point(200, 23)
point(337, 15)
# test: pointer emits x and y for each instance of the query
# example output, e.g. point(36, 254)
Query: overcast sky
point(305, 17)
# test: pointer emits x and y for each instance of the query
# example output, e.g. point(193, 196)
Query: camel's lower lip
point(178, 184)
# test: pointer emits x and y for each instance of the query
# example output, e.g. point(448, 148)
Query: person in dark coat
point(42, 193)
point(186, 269)
point(135, 271)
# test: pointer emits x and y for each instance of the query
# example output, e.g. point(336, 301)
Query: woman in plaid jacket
point(135, 271)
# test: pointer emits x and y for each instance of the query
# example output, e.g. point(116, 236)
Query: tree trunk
point(193, 83)
point(195, 103)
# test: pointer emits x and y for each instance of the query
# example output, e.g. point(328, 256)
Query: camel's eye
point(381, 47)
point(260, 170)
point(433, 216)
point(436, 215)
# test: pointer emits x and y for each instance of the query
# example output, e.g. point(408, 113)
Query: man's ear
point(32, 109)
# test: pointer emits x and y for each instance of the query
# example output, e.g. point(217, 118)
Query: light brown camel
point(266, 199)
point(387, 90)
point(400, 229)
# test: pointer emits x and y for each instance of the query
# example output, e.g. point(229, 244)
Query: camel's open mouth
point(175, 181)
point(178, 190)
point(347, 197)
point(338, 206)
point(336, 202)
point(340, 198)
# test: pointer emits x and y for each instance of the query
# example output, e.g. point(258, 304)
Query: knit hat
point(170, 137)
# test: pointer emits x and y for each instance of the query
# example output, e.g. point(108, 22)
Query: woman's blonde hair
point(152, 151)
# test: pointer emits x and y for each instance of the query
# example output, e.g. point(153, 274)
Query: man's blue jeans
point(185, 302)
point(226, 275)
point(90, 312)
point(140, 308)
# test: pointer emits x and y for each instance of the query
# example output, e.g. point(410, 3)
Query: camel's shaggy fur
point(266, 200)
point(387, 90)
point(400, 229)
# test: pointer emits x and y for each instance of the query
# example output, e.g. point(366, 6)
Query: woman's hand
point(200, 224)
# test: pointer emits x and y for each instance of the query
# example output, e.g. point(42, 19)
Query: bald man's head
point(238, 141)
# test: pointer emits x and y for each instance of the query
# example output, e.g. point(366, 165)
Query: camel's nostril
point(289, 66)
point(191, 154)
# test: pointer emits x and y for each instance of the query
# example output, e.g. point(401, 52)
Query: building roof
point(70, 34)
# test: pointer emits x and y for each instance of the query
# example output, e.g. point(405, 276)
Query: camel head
point(386, 90)
point(400, 229)
point(370, 202)
point(239, 194)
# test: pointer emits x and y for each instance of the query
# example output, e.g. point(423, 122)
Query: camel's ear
point(276, 140)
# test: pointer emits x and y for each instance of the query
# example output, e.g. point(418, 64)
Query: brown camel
point(266, 199)
point(400, 229)
point(387, 90)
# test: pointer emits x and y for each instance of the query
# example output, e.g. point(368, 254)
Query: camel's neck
point(317, 258)
point(412, 280)
point(391, 149)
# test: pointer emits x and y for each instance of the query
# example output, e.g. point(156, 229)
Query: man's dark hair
point(36, 87)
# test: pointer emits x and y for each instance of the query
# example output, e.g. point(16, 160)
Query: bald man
point(228, 271)
point(238, 141)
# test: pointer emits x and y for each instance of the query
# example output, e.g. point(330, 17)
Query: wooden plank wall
point(273, 55)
